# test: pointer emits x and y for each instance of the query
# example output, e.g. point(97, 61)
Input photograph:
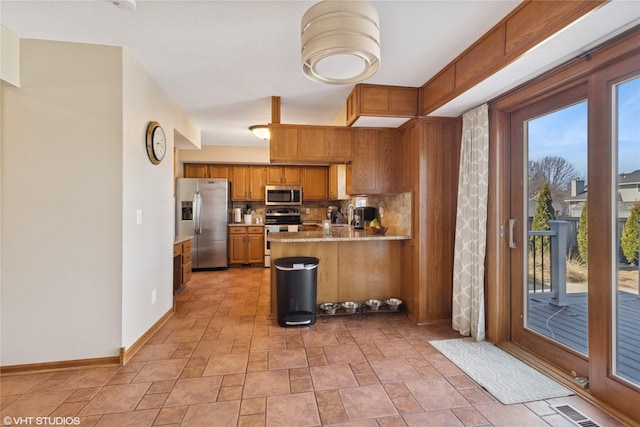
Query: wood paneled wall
point(432, 153)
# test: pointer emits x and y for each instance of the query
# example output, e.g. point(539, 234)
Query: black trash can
point(297, 290)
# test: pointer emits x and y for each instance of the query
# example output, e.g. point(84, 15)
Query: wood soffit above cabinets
point(526, 26)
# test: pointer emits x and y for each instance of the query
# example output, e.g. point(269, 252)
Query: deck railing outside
point(549, 281)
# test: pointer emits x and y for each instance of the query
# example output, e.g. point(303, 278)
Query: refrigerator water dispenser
point(187, 210)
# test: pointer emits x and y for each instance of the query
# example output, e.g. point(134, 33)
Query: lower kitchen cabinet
point(246, 245)
point(181, 265)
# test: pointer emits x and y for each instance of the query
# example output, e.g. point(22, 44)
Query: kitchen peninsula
point(355, 265)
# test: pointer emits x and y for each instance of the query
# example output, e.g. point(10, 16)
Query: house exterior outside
point(628, 194)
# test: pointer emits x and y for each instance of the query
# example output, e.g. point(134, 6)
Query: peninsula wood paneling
point(526, 26)
point(340, 271)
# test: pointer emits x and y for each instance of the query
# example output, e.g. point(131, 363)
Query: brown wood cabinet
point(381, 101)
point(283, 145)
point(315, 183)
point(310, 144)
point(247, 183)
point(338, 182)
point(284, 175)
point(182, 265)
point(377, 162)
point(246, 244)
point(201, 170)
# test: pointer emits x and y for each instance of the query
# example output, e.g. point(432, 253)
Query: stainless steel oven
point(283, 195)
point(279, 220)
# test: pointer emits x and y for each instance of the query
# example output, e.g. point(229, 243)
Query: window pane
point(556, 289)
point(627, 228)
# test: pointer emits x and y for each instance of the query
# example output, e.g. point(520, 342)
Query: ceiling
point(221, 61)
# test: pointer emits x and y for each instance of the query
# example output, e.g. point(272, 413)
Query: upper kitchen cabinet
point(377, 162)
point(338, 182)
point(247, 183)
point(315, 183)
point(284, 175)
point(283, 145)
point(367, 100)
point(310, 144)
point(200, 170)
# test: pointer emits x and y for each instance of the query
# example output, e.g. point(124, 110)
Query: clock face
point(159, 143)
point(156, 143)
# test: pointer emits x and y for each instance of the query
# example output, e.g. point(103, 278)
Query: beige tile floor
point(219, 361)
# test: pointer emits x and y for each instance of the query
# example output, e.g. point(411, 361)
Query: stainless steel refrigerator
point(202, 211)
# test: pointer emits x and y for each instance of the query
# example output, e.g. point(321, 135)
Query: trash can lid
point(297, 263)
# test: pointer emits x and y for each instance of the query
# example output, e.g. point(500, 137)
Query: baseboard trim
point(64, 365)
point(127, 354)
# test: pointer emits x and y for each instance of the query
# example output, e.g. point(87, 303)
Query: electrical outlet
point(153, 296)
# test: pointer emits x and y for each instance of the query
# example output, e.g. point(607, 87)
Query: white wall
point(77, 270)
point(62, 205)
point(223, 154)
point(147, 248)
point(9, 57)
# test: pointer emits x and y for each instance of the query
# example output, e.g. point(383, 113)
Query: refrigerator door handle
point(197, 203)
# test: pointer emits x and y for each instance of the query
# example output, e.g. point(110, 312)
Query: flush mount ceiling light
point(261, 131)
point(340, 42)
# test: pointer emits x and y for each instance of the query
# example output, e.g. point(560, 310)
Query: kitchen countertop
point(181, 239)
point(338, 234)
point(240, 224)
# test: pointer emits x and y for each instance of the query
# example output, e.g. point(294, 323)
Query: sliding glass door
point(549, 196)
point(567, 194)
point(626, 230)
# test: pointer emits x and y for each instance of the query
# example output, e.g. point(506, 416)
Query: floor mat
point(505, 377)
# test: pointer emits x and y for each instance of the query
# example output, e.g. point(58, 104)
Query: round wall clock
point(156, 143)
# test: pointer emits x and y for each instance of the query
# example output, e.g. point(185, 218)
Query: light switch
point(153, 296)
point(139, 216)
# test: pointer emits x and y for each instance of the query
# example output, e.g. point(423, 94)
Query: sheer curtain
point(471, 225)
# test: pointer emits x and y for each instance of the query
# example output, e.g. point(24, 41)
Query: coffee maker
point(363, 216)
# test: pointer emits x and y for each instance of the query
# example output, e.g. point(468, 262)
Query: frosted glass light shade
point(261, 131)
point(340, 42)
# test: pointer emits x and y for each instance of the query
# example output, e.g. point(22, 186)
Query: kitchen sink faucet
point(350, 210)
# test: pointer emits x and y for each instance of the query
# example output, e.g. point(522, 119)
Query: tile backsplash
point(396, 210)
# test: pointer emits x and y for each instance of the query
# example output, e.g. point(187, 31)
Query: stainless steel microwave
point(278, 195)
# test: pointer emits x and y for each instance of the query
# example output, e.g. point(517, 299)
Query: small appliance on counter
point(363, 216)
point(237, 215)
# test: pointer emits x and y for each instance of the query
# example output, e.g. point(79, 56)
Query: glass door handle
point(512, 226)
